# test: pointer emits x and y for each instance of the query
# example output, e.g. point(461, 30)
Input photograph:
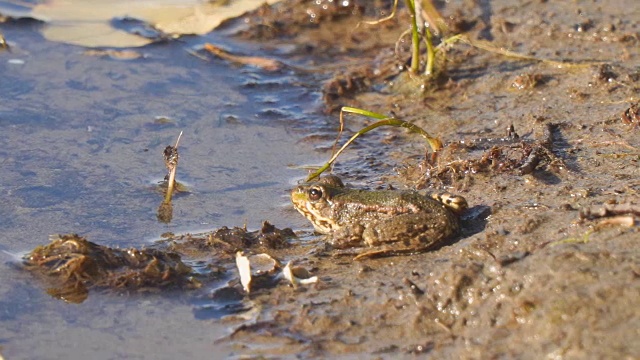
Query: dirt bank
point(533, 273)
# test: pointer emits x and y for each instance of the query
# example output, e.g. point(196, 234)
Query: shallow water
point(528, 275)
point(82, 152)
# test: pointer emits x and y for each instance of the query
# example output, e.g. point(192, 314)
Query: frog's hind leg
point(380, 253)
point(411, 231)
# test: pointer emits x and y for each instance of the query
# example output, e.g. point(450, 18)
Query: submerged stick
point(260, 62)
point(171, 158)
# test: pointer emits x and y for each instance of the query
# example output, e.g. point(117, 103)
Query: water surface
point(82, 151)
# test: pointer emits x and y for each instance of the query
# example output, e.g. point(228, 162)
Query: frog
point(388, 221)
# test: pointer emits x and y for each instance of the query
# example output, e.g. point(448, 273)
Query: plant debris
point(259, 62)
point(505, 154)
point(627, 215)
point(225, 242)
point(76, 265)
point(631, 116)
point(171, 157)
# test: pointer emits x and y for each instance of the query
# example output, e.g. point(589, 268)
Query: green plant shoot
point(384, 120)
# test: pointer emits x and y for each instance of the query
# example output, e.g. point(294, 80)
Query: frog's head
point(315, 200)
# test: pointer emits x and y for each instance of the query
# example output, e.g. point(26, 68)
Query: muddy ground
point(532, 275)
point(540, 269)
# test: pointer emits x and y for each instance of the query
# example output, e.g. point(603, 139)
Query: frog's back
point(386, 202)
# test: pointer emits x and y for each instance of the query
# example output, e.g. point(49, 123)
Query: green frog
point(393, 221)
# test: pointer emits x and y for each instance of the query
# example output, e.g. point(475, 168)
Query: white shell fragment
point(244, 268)
point(263, 264)
point(254, 266)
point(298, 275)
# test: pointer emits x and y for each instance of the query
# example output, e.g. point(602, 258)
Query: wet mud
point(546, 155)
point(533, 145)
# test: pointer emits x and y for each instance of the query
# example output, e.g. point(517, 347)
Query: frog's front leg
point(348, 236)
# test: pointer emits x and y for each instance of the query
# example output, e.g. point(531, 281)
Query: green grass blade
point(362, 112)
point(434, 143)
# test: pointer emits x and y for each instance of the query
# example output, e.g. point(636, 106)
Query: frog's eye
point(315, 194)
